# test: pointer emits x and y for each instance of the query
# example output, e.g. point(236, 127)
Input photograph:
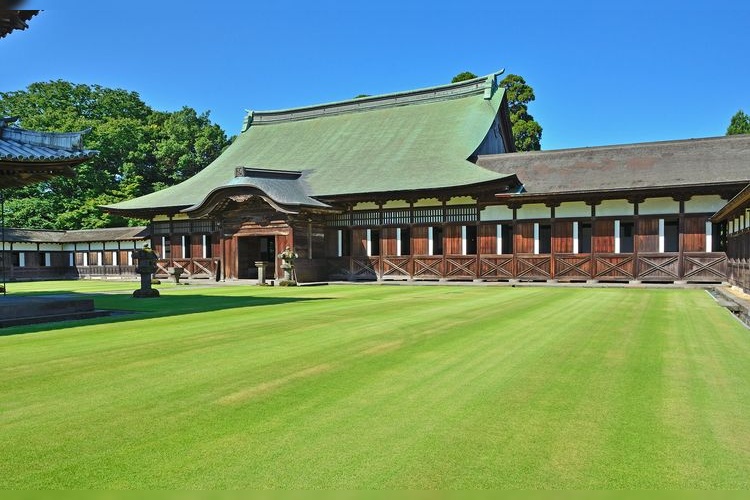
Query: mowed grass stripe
point(401, 387)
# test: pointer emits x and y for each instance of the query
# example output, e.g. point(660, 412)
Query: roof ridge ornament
point(248, 119)
point(491, 84)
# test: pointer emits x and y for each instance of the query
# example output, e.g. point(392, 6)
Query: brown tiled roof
point(718, 160)
point(78, 236)
point(32, 235)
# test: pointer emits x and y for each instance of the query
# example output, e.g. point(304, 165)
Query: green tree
point(740, 124)
point(140, 150)
point(527, 133)
point(466, 75)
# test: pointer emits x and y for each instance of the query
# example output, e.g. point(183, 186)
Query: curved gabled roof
point(419, 139)
point(28, 156)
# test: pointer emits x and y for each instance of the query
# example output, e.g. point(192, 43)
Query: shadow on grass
point(126, 308)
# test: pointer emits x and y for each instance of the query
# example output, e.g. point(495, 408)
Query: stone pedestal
point(145, 291)
point(175, 273)
point(146, 267)
point(261, 265)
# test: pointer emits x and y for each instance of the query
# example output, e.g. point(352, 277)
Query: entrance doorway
point(256, 248)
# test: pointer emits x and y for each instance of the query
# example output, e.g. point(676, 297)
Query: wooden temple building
point(425, 185)
point(33, 254)
point(734, 217)
point(28, 157)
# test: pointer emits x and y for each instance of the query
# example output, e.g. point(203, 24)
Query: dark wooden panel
point(388, 245)
point(604, 236)
point(694, 234)
point(419, 243)
point(562, 237)
point(452, 240)
point(359, 242)
point(647, 234)
point(332, 242)
point(196, 245)
point(216, 242)
point(523, 239)
point(487, 235)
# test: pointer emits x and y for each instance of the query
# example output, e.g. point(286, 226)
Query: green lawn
point(378, 387)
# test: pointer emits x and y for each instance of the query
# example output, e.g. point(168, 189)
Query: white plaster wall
point(704, 204)
point(573, 209)
point(614, 207)
point(534, 211)
point(496, 212)
point(653, 206)
point(50, 247)
point(24, 247)
point(97, 245)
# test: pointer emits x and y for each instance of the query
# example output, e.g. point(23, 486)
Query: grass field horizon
point(372, 387)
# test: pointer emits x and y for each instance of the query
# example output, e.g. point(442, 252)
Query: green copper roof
point(411, 140)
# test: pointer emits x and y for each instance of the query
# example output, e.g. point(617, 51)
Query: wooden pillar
point(514, 233)
point(552, 270)
point(636, 233)
point(477, 246)
point(680, 234)
point(593, 204)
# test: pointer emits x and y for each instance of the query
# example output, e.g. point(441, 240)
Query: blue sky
point(633, 71)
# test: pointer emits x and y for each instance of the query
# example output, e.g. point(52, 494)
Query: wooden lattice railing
point(533, 267)
point(694, 267)
point(573, 267)
point(496, 267)
point(192, 268)
point(658, 266)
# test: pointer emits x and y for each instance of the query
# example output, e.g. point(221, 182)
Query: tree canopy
point(740, 124)
point(527, 133)
point(461, 77)
point(141, 151)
